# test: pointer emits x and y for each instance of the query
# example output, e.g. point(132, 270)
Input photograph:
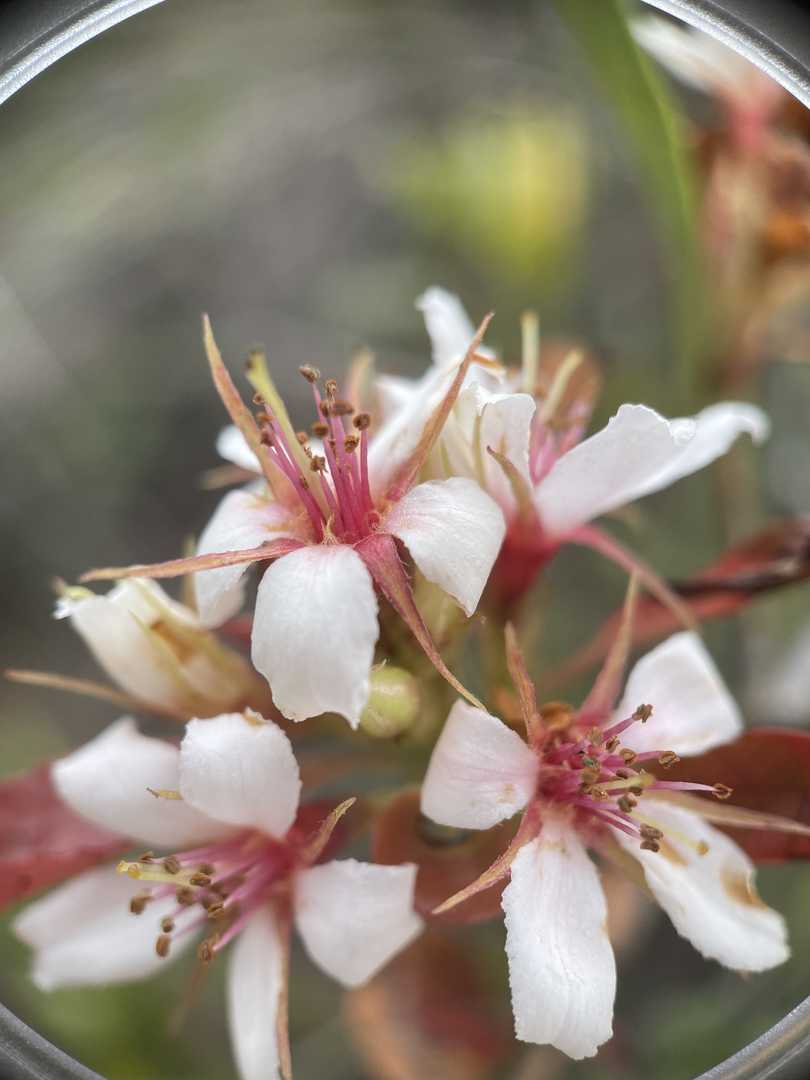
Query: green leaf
point(644, 108)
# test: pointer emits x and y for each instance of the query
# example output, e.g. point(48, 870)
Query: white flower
point(329, 526)
point(246, 872)
point(579, 781)
point(157, 650)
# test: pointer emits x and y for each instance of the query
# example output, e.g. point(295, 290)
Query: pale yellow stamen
point(155, 872)
point(559, 385)
point(530, 333)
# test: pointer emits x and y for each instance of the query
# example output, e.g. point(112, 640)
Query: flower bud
point(156, 649)
point(393, 703)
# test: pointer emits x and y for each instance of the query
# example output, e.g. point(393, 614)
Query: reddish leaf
point(775, 557)
point(428, 1014)
point(769, 771)
point(42, 842)
point(448, 860)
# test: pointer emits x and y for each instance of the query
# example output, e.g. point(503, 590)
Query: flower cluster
point(377, 533)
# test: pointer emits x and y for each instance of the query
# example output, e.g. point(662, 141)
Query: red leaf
point(448, 860)
point(769, 771)
point(42, 841)
point(777, 556)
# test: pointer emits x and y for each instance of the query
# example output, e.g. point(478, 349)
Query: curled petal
point(254, 992)
point(84, 934)
point(692, 709)
point(108, 779)
point(561, 967)
point(447, 323)
point(232, 445)
point(240, 769)
point(315, 630)
point(242, 521)
point(481, 772)
point(704, 882)
point(454, 532)
point(354, 917)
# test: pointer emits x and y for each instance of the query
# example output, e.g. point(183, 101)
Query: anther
point(146, 856)
point(668, 758)
point(162, 945)
point(266, 438)
point(341, 408)
point(302, 437)
point(589, 777)
point(167, 924)
point(138, 903)
point(643, 713)
point(612, 743)
point(207, 868)
point(320, 429)
point(185, 896)
point(331, 387)
point(650, 845)
point(624, 774)
point(311, 374)
point(202, 881)
point(216, 909)
point(171, 864)
point(258, 399)
point(650, 832)
point(361, 421)
point(627, 755)
point(626, 803)
point(205, 951)
point(350, 443)
point(722, 791)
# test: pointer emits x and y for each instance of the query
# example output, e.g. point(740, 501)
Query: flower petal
point(84, 934)
point(107, 781)
point(232, 445)
point(241, 771)
point(610, 468)
point(716, 429)
point(242, 520)
point(692, 709)
point(255, 982)
point(315, 630)
point(561, 967)
point(481, 772)
point(709, 897)
point(453, 531)
point(447, 323)
point(355, 916)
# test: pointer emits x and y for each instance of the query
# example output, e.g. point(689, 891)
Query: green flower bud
point(393, 703)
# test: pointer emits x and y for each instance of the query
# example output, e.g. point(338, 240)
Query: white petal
point(241, 771)
point(232, 446)
point(453, 531)
point(715, 430)
point(107, 781)
point(481, 772)
point(314, 632)
point(692, 709)
point(610, 468)
point(447, 324)
point(561, 967)
point(709, 898)
point(354, 916)
point(242, 520)
point(83, 932)
point(255, 980)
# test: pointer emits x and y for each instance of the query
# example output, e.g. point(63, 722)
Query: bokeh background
point(302, 172)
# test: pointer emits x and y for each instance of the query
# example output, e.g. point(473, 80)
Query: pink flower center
point(587, 767)
point(217, 888)
point(335, 493)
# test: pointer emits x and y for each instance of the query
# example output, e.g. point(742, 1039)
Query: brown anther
point(263, 418)
point(650, 845)
point(589, 777)
point(222, 888)
point(649, 832)
point(202, 881)
point(627, 755)
point(167, 924)
point(216, 910)
point(138, 903)
point(643, 713)
point(722, 791)
point(207, 901)
point(162, 945)
point(311, 374)
point(302, 437)
point(146, 856)
point(624, 774)
point(361, 421)
point(171, 864)
point(318, 463)
point(626, 803)
point(702, 848)
point(350, 443)
point(258, 399)
point(331, 387)
point(205, 951)
point(612, 743)
point(636, 789)
point(341, 408)
point(319, 429)
point(207, 868)
point(599, 794)
point(266, 438)
point(185, 896)
point(668, 758)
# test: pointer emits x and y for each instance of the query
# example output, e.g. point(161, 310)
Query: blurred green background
point(302, 172)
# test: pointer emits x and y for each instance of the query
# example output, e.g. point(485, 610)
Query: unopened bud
point(393, 703)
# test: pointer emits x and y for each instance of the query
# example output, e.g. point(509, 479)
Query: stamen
point(311, 374)
point(162, 945)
